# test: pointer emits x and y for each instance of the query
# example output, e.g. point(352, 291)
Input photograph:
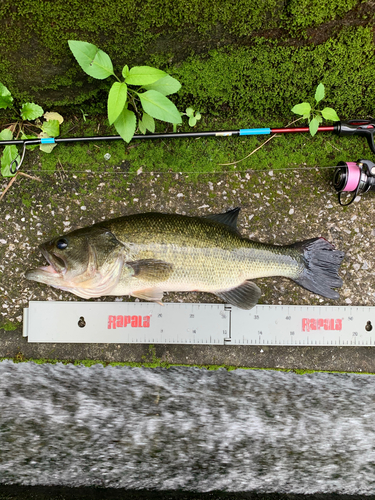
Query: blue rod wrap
point(255, 131)
point(47, 140)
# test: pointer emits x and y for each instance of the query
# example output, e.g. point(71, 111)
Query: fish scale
point(203, 253)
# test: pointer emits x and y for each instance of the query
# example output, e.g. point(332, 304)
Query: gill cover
point(87, 262)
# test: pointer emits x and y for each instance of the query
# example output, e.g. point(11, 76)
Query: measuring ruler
point(216, 324)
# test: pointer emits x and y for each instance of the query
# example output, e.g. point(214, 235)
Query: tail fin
point(322, 263)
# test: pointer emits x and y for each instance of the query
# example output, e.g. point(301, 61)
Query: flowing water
point(187, 429)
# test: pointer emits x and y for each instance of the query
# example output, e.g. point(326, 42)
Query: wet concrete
point(277, 207)
point(342, 359)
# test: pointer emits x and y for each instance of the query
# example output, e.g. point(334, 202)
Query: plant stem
point(131, 95)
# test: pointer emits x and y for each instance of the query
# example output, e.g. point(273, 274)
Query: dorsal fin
point(229, 218)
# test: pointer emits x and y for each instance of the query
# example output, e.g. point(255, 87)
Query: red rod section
point(300, 129)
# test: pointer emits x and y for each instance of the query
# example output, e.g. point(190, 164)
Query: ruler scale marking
point(208, 324)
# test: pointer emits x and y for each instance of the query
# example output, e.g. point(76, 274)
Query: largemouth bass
point(144, 255)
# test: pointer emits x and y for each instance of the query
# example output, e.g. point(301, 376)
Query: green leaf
point(303, 108)
point(92, 60)
point(165, 86)
point(314, 124)
point(198, 116)
point(160, 107)
point(125, 124)
point(319, 93)
point(116, 100)
point(6, 135)
point(28, 136)
point(125, 71)
point(51, 128)
point(10, 153)
point(46, 148)
point(142, 127)
point(330, 114)
point(31, 111)
point(149, 122)
point(6, 98)
point(190, 111)
point(192, 121)
point(52, 115)
point(144, 75)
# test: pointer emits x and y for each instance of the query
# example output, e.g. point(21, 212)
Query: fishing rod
point(363, 128)
point(350, 177)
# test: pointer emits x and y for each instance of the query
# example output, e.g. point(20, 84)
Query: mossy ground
point(8, 326)
point(151, 361)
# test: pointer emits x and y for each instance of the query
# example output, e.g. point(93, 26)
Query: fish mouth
point(55, 270)
point(57, 264)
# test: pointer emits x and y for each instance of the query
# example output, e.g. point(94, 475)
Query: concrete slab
point(277, 207)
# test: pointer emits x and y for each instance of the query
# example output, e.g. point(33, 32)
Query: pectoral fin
point(244, 296)
point(151, 269)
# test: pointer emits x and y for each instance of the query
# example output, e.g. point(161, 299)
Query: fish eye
point(61, 244)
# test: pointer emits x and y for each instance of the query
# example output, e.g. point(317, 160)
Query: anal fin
point(244, 296)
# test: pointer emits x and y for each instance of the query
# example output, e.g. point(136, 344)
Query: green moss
point(8, 326)
point(158, 363)
point(152, 361)
point(26, 201)
point(268, 79)
point(305, 13)
point(246, 74)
